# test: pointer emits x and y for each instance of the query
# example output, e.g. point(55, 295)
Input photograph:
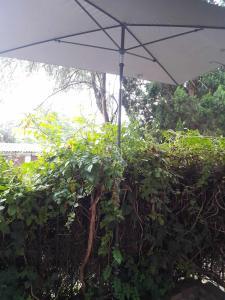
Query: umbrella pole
point(121, 66)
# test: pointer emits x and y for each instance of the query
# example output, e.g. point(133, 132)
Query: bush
point(85, 222)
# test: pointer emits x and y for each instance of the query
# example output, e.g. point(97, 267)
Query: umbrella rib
point(140, 56)
point(55, 38)
point(175, 25)
point(165, 38)
point(134, 36)
point(152, 24)
point(97, 23)
point(104, 12)
point(152, 56)
point(218, 63)
point(87, 45)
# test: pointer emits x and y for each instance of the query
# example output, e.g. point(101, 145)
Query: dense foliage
point(60, 216)
point(198, 105)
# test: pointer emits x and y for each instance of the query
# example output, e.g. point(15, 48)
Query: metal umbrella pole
point(121, 74)
point(121, 67)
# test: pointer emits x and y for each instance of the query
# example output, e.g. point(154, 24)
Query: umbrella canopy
point(165, 40)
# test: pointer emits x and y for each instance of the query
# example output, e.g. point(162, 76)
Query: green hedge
point(85, 222)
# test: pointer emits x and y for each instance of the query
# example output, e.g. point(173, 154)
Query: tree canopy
point(198, 105)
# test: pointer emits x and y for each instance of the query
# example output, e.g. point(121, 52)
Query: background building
point(20, 152)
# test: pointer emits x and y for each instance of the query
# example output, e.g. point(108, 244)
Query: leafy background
point(87, 221)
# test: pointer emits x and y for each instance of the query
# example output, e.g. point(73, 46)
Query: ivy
point(59, 216)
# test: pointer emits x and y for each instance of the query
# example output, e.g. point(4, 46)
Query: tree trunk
point(192, 88)
point(99, 87)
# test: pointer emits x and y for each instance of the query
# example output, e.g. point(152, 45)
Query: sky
point(25, 91)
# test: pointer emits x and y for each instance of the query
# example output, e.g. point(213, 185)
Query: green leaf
point(12, 211)
point(3, 188)
point(89, 168)
point(107, 273)
point(117, 256)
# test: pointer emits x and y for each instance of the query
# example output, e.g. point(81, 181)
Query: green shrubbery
point(59, 216)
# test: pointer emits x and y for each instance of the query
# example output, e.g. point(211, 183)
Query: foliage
point(200, 105)
point(216, 2)
point(47, 128)
point(59, 216)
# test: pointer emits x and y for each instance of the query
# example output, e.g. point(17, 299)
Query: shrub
point(85, 221)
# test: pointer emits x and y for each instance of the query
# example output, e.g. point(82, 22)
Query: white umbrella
point(163, 40)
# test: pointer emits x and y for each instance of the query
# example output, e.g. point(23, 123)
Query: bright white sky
point(26, 91)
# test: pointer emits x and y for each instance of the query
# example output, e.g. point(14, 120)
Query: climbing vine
point(59, 216)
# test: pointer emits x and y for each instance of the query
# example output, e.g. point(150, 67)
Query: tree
point(200, 104)
point(216, 2)
point(6, 133)
point(71, 78)
point(66, 79)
